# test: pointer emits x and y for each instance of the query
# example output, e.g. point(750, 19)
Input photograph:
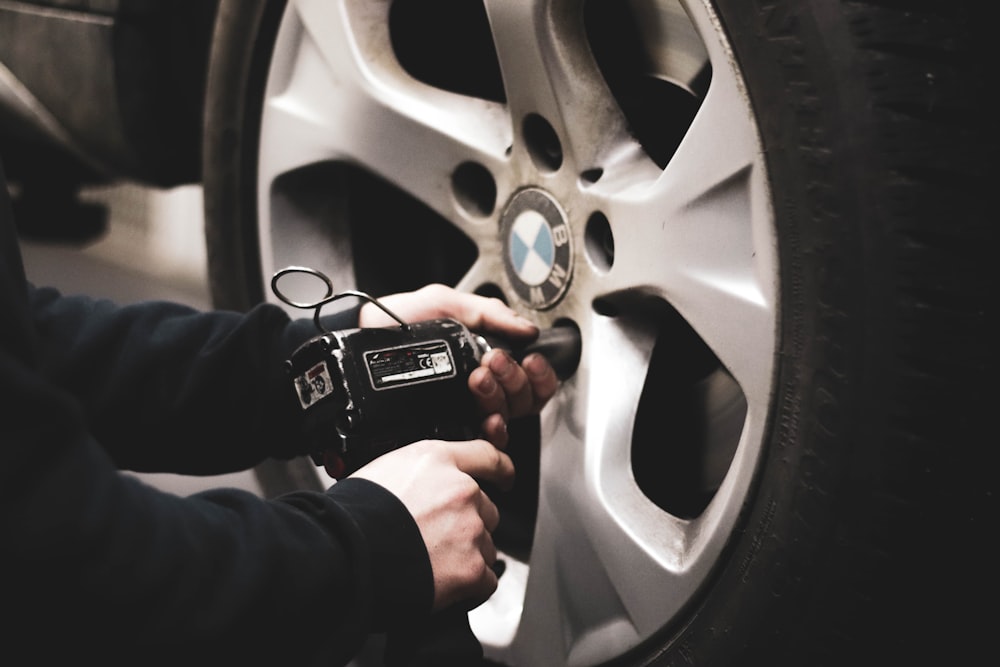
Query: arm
point(167, 388)
point(455, 573)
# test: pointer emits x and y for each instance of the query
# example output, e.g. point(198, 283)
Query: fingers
point(477, 312)
point(542, 378)
point(481, 460)
point(492, 397)
point(502, 386)
point(481, 577)
point(513, 379)
point(494, 429)
point(490, 515)
point(486, 580)
point(493, 316)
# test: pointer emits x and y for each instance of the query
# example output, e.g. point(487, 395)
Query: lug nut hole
point(600, 242)
point(543, 143)
point(474, 188)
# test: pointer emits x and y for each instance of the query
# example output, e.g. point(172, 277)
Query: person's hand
point(479, 313)
point(436, 481)
point(504, 389)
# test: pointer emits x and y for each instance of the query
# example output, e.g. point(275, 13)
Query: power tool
point(367, 391)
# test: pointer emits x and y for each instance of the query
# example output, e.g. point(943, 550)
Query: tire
point(773, 451)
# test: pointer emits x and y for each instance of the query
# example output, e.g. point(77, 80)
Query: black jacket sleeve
point(165, 388)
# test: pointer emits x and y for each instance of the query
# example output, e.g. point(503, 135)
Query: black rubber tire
point(864, 540)
point(237, 67)
point(236, 77)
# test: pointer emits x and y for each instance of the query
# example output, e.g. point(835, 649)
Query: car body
point(96, 90)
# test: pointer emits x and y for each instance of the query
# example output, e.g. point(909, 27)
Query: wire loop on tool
point(329, 297)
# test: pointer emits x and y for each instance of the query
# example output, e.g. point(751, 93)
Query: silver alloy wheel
point(608, 566)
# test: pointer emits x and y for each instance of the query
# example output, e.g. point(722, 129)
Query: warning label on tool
point(410, 364)
point(313, 385)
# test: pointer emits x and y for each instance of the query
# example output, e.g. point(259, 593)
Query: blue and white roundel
point(537, 247)
point(531, 248)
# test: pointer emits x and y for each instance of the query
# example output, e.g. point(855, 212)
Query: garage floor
point(153, 249)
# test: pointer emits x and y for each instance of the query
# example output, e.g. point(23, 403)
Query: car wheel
point(766, 220)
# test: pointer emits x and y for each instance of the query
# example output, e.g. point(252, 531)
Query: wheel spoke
point(486, 268)
point(336, 100)
point(700, 237)
point(545, 60)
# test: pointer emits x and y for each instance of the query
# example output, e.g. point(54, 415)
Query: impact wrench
point(368, 391)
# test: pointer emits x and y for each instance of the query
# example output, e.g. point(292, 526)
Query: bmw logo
point(538, 249)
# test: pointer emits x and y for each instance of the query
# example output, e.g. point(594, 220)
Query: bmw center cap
point(538, 250)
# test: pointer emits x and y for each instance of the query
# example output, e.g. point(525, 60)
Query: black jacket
point(96, 564)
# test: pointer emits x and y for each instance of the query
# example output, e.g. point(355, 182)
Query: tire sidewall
point(238, 66)
point(830, 566)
